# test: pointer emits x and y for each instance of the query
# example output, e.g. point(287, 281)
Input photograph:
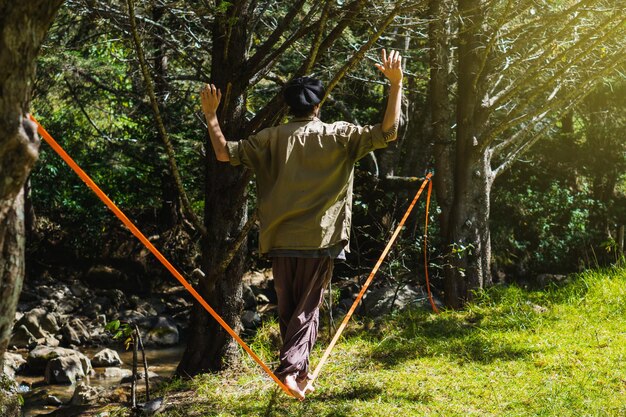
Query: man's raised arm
point(210, 98)
point(391, 67)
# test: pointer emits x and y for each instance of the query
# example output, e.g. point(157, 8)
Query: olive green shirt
point(304, 172)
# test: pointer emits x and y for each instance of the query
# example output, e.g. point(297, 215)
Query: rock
point(106, 358)
point(250, 320)
point(117, 296)
point(48, 341)
point(61, 300)
point(84, 394)
point(24, 387)
point(544, 280)
point(67, 369)
point(262, 299)
point(9, 398)
point(265, 290)
point(39, 323)
point(78, 289)
point(152, 407)
point(39, 357)
point(49, 323)
point(53, 401)
point(74, 332)
point(158, 304)
point(101, 320)
point(92, 310)
point(344, 305)
point(31, 321)
point(131, 316)
point(116, 373)
point(13, 364)
point(384, 300)
point(140, 374)
point(108, 277)
point(537, 308)
point(163, 331)
point(249, 299)
point(22, 337)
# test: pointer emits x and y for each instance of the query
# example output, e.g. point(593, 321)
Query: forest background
point(516, 106)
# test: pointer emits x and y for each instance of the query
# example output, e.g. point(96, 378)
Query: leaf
point(112, 326)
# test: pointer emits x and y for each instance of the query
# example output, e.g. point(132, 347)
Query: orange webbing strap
point(106, 200)
point(368, 281)
point(430, 295)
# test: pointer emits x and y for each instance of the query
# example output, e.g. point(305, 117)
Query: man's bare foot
point(306, 385)
point(292, 384)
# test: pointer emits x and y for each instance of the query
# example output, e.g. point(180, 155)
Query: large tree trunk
point(209, 347)
point(439, 103)
point(23, 26)
point(468, 238)
point(468, 232)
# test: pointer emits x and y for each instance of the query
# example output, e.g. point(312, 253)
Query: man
point(304, 171)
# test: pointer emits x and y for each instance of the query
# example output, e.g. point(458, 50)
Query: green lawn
point(558, 352)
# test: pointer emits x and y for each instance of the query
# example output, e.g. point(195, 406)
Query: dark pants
point(299, 284)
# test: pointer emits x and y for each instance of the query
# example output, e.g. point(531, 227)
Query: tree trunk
point(468, 238)
point(209, 347)
point(24, 26)
point(439, 103)
point(468, 233)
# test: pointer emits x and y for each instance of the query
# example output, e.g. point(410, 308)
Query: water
point(162, 361)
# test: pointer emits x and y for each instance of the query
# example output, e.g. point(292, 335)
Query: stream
point(162, 361)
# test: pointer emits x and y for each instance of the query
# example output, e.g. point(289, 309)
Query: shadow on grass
point(272, 402)
point(362, 392)
point(481, 334)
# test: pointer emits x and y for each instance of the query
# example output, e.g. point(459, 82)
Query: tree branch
point(276, 105)
point(514, 120)
point(253, 64)
point(159, 121)
point(489, 47)
point(361, 52)
point(564, 104)
point(531, 73)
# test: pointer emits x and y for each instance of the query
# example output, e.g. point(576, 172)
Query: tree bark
point(209, 347)
point(468, 238)
point(24, 26)
point(439, 103)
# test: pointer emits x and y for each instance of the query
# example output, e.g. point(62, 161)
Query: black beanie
point(302, 93)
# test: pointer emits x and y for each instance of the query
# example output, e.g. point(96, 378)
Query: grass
point(514, 352)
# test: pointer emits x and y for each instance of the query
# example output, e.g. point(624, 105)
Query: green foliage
point(120, 331)
point(546, 229)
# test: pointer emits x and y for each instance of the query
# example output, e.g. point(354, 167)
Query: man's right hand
point(391, 67)
point(210, 97)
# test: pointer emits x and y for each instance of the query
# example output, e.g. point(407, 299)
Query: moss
point(10, 401)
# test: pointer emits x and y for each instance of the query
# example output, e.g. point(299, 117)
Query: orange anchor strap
point(135, 231)
point(430, 295)
point(369, 279)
